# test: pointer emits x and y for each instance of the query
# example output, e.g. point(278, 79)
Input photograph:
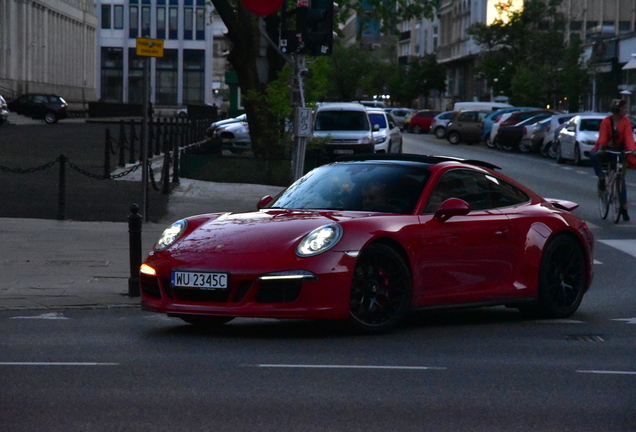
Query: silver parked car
point(438, 127)
point(4, 110)
point(399, 115)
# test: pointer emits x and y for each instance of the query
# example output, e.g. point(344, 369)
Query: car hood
point(343, 134)
point(264, 231)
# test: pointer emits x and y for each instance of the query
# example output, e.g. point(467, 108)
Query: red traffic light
point(262, 7)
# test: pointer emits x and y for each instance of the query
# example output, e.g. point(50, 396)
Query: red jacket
point(624, 137)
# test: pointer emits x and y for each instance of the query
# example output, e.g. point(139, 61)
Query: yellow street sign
point(150, 47)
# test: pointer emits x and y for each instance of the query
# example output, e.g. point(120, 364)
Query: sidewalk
point(51, 264)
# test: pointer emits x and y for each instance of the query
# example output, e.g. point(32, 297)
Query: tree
point(525, 56)
point(255, 70)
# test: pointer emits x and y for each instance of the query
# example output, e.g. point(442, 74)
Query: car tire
point(440, 132)
point(562, 279)
point(380, 290)
point(205, 321)
point(454, 138)
point(525, 148)
point(577, 154)
point(50, 118)
point(417, 129)
point(559, 158)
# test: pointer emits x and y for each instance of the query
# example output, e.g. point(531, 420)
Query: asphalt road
point(463, 370)
point(30, 175)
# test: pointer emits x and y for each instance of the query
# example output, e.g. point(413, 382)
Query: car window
point(378, 119)
point(480, 190)
point(590, 125)
point(40, 99)
point(395, 188)
point(468, 116)
point(341, 120)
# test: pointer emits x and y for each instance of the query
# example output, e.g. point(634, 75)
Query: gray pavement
point(50, 264)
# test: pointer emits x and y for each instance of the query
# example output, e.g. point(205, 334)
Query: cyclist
point(615, 133)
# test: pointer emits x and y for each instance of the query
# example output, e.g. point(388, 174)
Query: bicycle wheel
point(603, 203)
point(615, 203)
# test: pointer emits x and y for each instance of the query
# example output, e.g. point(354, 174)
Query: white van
point(479, 106)
point(347, 128)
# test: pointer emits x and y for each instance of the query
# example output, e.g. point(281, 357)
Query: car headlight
point(588, 142)
point(319, 240)
point(380, 139)
point(170, 235)
point(367, 140)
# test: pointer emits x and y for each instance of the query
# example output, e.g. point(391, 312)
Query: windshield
point(342, 120)
point(591, 125)
point(382, 187)
point(378, 119)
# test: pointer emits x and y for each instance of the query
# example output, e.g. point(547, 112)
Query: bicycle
point(610, 198)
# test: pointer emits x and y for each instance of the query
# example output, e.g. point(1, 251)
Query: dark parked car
point(466, 126)
point(4, 114)
point(509, 136)
point(513, 119)
point(48, 107)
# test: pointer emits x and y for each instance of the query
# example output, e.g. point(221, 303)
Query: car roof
point(425, 159)
point(341, 106)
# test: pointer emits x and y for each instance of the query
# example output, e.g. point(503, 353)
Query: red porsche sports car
point(369, 238)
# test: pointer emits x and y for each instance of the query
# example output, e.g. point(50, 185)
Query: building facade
point(186, 74)
point(447, 36)
point(48, 46)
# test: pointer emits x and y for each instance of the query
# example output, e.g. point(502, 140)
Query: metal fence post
point(107, 149)
point(61, 199)
point(134, 230)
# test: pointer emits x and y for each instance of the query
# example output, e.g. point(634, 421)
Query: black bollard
point(134, 231)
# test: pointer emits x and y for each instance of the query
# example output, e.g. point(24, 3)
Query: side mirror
point(264, 201)
point(451, 207)
point(376, 127)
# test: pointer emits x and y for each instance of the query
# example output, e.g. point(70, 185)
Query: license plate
point(343, 151)
point(199, 280)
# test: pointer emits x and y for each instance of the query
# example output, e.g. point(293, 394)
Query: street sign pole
point(144, 141)
point(146, 48)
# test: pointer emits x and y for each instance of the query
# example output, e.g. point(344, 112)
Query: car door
point(567, 137)
point(464, 259)
point(395, 134)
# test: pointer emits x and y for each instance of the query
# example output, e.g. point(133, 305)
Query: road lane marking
point(627, 320)
point(56, 364)
point(604, 372)
point(51, 315)
point(307, 366)
point(627, 246)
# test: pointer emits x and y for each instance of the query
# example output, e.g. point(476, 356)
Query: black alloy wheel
point(454, 138)
point(440, 132)
point(417, 129)
point(562, 278)
point(380, 290)
point(50, 117)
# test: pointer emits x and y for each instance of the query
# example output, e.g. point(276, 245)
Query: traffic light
point(308, 28)
point(318, 32)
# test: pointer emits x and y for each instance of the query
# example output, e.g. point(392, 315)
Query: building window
point(112, 74)
point(135, 76)
point(188, 16)
point(173, 23)
point(145, 21)
point(167, 78)
point(161, 22)
point(193, 76)
point(200, 24)
point(133, 30)
point(106, 9)
point(119, 17)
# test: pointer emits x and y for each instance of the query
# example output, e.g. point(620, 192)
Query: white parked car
point(386, 133)
point(218, 124)
point(557, 122)
point(578, 137)
point(438, 127)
